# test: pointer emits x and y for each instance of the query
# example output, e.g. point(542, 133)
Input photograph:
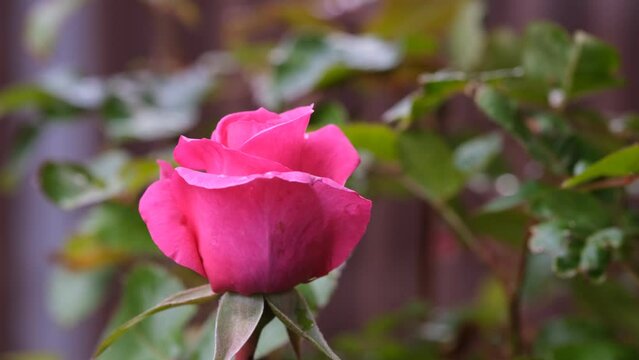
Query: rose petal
point(235, 129)
point(221, 181)
point(298, 112)
point(328, 153)
point(161, 208)
point(278, 137)
point(271, 232)
point(166, 170)
point(214, 158)
point(283, 142)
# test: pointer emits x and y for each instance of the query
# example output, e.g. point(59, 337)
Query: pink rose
point(261, 207)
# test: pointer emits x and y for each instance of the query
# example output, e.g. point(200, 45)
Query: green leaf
point(502, 110)
point(597, 252)
point(563, 67)
point(292, 310)
point(565, 147)
point(554, 240)
point(546, 53)
point(71, 185)
point(437, 88)
point(475, 155)
point(512, 228)
point(83, 92)
point(504, 203)
point(567, 265)
point(109, 233)
point(571, 254)
point(526, 191)
point(440, 86)
point(114, 109)
point(143, 106)
point(306, 61)
point(380, 140)
point(402, 111)
point(428, 161)
point(594, 351)
point(610, 237)
point(237, 318)
point(549, 146)
point(73, 295)
point(624, 162)
point(594, 66)
point(301, 63)
point(149, 291)
point(147, 123)
point(34, 98)
point(578, 211)
point(44, 21)
point(503, 50)
point(548, 237)
point(364, 52)
point(594, 261)
point(467, 37)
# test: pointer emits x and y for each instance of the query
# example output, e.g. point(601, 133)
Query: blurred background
point(81, 72)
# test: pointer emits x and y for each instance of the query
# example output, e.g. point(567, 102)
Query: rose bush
point(261, 206)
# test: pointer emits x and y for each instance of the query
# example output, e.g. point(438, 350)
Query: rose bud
point(261, 206)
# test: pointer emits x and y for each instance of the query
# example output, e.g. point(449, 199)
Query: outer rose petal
point(328, 153)
point(271, 232)
point(214, 158)
point(162, 211)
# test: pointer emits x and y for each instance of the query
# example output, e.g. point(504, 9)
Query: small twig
point(455, 222)
point(451, 217)
point(610, 183)
point(470, 241)
point(634, 273)
point(515, 302)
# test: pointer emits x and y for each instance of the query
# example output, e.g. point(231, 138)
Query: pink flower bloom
point(261, 206)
